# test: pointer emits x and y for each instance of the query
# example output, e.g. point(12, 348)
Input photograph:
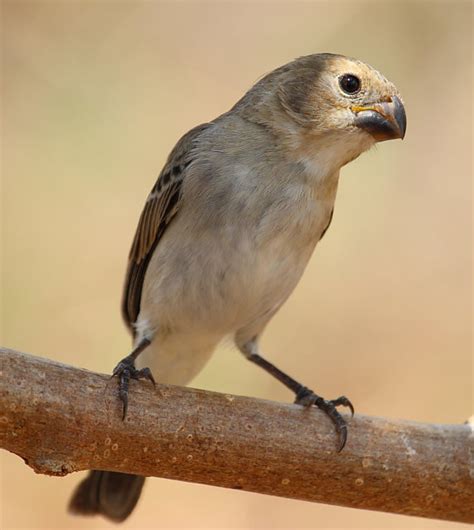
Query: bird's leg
point(125, 370)
point(304, 396)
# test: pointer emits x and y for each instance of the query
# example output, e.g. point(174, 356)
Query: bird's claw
point(308, 398)
point(126, 370)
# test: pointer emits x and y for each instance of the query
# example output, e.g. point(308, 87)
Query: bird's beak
point(384, 121)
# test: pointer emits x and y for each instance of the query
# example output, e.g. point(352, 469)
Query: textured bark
point(61, 419)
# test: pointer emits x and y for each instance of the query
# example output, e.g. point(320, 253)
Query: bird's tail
point(111, 494)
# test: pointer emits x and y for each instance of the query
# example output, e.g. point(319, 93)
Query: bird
point(229, 227)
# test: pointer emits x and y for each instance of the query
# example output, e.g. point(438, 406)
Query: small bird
point(230, 225)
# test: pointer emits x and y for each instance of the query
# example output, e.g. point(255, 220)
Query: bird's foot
point(308, 398)
point(126, 370)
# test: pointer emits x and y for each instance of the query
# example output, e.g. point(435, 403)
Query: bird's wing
point(161, 207)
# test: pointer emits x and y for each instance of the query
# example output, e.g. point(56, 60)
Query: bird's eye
point(349, 83)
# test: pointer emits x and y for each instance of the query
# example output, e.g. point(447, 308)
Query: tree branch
point(61, 419)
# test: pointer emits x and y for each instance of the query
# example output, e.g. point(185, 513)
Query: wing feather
point(160, 209)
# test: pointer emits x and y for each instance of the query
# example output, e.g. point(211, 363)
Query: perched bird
point(230, 225)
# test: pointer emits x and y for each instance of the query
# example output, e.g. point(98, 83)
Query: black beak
point(384, 121)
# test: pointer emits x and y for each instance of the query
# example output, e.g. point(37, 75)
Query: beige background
point(95, 94)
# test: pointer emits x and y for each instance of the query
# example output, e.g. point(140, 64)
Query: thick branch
point(61, 419)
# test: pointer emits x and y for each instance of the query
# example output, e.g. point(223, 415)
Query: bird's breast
point(216, 270)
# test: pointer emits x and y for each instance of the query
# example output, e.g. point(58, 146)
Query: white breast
point(226, 267)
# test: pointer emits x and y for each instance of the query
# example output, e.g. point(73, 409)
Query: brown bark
point(61, 419)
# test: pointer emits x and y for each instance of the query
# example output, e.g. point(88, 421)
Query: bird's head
point(343, 93)
point(332, 103)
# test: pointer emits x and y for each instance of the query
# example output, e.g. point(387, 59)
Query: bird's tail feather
point(108, 493)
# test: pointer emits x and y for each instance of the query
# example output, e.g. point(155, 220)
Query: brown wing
point(160, 208)
point(328, 225)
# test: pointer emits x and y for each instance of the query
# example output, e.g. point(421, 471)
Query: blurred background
point(94, 96)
